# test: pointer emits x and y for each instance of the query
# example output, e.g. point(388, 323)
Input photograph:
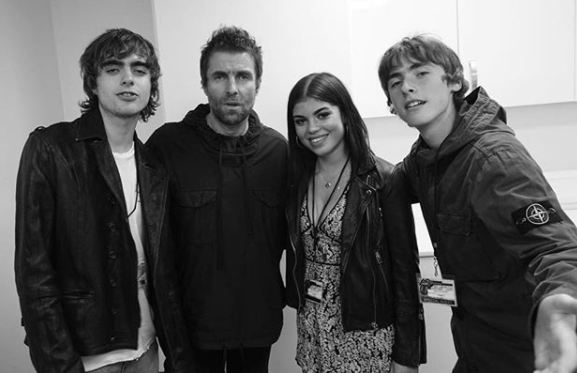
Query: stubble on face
point(231, 90)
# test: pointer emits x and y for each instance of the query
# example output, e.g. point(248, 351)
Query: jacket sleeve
point(47, 334)
point(410, 344)
point(172, 332)
point(508, 183)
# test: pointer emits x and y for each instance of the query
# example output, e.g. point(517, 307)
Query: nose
point(313, 126)
point(127, 77)
point(231, 87)
point(408, 86)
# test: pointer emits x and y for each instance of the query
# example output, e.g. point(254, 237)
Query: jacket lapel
point(91, 130)
point(153, 188)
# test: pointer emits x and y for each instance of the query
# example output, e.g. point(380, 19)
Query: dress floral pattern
point(322, 344)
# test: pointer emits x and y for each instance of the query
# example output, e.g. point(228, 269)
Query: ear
point(258, 84)
point(455, 87)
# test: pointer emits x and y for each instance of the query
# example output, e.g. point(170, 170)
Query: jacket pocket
point(195, 199)
point(461, 252)
point(268, 212)
point(79, 309)
point(195, 212)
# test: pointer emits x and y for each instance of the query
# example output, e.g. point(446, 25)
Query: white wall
point(284, 29)
point(30, 97)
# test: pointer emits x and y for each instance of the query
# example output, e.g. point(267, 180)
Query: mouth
point(317, 140)
point(414, 103)
point(127, 95)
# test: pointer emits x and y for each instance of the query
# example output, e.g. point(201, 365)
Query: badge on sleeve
point(535, 215)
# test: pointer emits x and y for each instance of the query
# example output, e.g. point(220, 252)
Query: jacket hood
point(230, 148)
point(478, 115)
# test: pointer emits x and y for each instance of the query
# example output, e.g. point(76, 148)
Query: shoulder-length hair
point(118, 43)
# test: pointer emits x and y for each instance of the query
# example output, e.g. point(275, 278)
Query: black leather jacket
point(75, 259)
point(379, 260)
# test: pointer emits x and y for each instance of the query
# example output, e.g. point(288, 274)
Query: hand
point(398, 368)
point(555, 339)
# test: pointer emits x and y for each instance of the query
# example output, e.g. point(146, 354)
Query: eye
point(244, 76)
point(323, 114)
point(111, 69)
point(422, 73)
point(394, 83)
point(298, 121)
point(141, 71)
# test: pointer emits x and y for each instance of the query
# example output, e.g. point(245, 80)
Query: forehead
point(230, 61)
point(406, 64)
point(309, 105)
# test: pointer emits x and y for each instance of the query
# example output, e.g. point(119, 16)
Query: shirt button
point(112, 254)
point(112, 339)
point(112, 227)
point(112, 282)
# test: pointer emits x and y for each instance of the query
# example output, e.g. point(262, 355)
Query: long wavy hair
point(328, 88)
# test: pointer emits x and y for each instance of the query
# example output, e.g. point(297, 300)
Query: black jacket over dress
point(76, 262)
point(380, 260)
point(227, 199)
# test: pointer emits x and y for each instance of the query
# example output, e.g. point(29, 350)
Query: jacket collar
point(90, 126)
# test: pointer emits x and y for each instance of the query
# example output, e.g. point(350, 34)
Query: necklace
point(329, 182)
point(328, 200)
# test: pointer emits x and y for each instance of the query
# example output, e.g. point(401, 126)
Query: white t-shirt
point(126, 164)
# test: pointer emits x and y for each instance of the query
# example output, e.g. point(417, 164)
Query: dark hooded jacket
point(227, 199)
point(379, 263)
point(497, 228)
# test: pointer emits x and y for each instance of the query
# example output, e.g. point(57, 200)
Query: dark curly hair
point(424, 49)
point(118, 43)
point(230, 39)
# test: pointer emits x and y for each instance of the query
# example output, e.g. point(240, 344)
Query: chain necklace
point(329, 183)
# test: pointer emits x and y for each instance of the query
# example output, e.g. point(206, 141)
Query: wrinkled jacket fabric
point(75, 261)
point(380, 260)
point(468, 190)
point(227, 199)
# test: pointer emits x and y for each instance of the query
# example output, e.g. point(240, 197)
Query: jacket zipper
point(374, 323)
point(294, 269)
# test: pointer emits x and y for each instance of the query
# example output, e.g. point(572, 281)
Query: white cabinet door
point(524, 50)
point(375, 25)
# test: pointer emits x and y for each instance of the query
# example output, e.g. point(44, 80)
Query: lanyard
point(320, 220)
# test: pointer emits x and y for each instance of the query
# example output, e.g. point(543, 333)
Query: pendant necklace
point(318, 222)
point(329, 183)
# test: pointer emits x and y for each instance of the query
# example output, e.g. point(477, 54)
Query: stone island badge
point(535, 215)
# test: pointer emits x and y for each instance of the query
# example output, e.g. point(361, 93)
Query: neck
point(226, 130)
point(331, 164)
point(435, 133)
point(120, 132)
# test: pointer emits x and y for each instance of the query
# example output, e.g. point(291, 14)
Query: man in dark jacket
point(227, 184)
point(91, 260)
point(495, 223)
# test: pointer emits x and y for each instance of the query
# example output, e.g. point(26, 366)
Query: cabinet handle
point(473, 74)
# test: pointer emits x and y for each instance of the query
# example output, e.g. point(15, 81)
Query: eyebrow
point(116, 62)
point(415, 65)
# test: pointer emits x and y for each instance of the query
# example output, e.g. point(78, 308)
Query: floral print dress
point(322, 344)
